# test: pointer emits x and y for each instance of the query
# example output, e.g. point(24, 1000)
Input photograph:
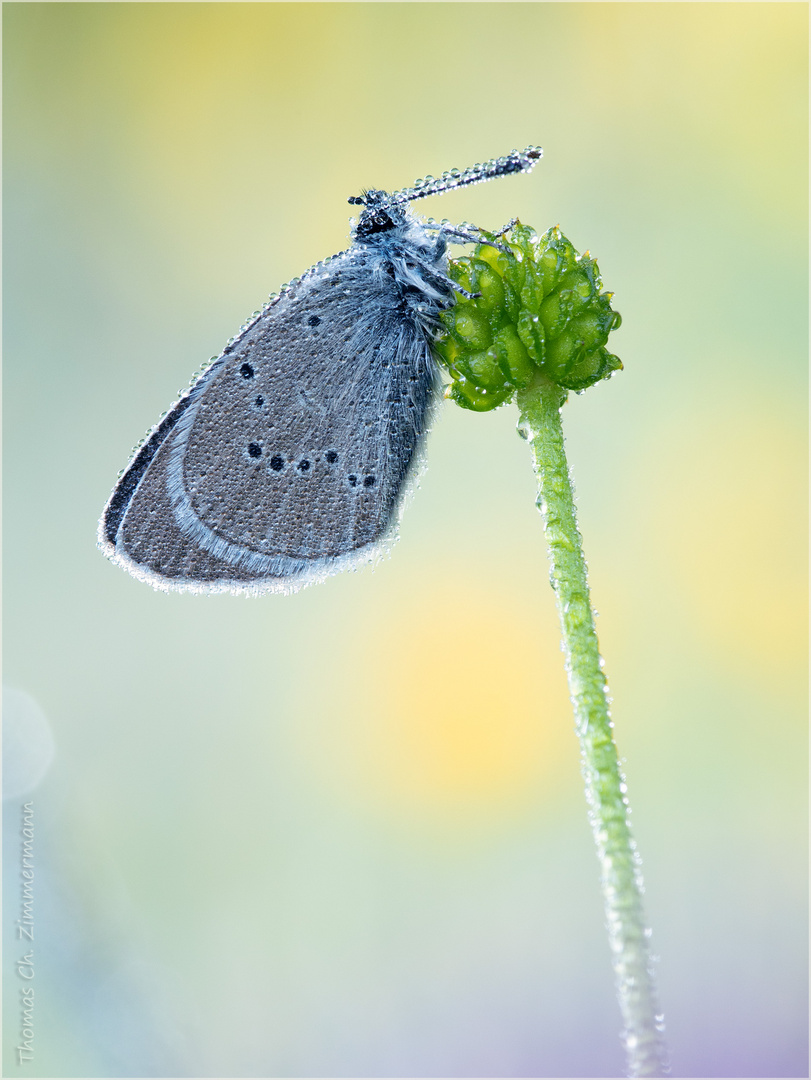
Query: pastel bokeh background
point(342, 833)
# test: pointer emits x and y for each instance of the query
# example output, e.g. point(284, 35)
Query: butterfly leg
point(463, 292)
point(510, 225)
point(472, 238)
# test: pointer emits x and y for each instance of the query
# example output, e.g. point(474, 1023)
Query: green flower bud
point(540, 309)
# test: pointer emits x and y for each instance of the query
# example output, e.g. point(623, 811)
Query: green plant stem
point(539, 406)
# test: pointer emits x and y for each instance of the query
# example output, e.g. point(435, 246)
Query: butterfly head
point(381, 213)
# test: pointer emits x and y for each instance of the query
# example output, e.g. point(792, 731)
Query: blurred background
point(343, 832)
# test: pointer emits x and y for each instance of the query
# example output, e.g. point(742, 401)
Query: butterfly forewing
point(294, 449)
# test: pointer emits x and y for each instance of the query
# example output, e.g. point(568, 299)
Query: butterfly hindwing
point(291, 452)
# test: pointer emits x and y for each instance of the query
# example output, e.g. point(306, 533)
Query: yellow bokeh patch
point(461, 711)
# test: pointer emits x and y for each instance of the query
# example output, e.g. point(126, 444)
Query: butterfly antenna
point(517, 161)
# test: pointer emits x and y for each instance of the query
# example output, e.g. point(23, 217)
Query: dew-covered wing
point(287, 459)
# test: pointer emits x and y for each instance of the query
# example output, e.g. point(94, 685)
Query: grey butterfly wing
point(288, 458)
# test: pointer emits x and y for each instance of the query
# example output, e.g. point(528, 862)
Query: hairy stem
point(621, 882)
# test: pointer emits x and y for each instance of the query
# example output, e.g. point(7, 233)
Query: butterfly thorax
point(399, 245)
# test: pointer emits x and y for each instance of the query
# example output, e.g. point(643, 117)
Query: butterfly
point(289, 457)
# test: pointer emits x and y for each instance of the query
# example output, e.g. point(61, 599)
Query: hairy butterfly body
point(288, 458)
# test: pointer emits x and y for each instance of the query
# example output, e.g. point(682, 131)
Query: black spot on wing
point(336, 432)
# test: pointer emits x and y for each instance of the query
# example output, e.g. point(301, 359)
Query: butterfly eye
point(372, 222)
